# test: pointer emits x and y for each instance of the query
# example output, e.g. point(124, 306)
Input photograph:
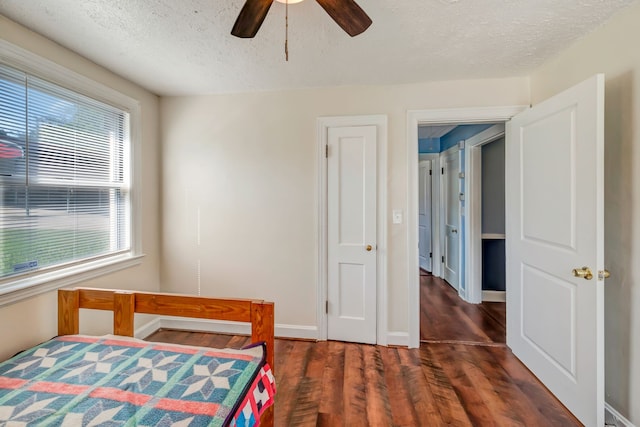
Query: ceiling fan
point(347, 14)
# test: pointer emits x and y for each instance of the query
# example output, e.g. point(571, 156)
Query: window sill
point(12, 291)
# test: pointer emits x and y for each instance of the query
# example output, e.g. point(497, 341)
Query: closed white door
point(450, 162)
point(424, 214)
point(351, 204)
point(555, 224)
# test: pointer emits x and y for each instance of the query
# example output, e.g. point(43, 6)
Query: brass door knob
point(369, 248)
point(583, 273)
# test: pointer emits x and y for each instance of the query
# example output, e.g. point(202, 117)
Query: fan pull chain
point(286, 31)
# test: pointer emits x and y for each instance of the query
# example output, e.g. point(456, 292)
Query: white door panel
point(424, 214)
point(351, 205)
point(555, 223)
point(450, 162)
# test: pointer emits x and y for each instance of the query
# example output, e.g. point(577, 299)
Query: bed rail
point(124, 304)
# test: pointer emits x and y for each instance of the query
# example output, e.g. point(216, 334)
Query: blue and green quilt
point(113, 381)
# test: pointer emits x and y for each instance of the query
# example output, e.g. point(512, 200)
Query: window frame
point(16, 288)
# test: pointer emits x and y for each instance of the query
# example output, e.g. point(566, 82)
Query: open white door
point(351, 234)
point(424, 214)
point(555, 224)
point(450, 193)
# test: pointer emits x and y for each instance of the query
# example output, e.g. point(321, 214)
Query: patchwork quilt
point(114, 381)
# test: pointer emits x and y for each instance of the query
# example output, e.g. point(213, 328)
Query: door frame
point(323, 125)
point(473, 209)
point(433, 117)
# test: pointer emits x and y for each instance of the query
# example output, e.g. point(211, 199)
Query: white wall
point(248, 163)
point(613, 49)
point(34, 320)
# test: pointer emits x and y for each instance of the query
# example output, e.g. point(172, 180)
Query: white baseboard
point(494, 296)
point(237, 328)
point(147, 329)
point(296, 331)
point(398, 338)
point(614, 418)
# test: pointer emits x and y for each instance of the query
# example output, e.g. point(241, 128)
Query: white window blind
point(64, 176)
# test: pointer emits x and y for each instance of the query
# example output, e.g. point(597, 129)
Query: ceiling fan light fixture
point(346, 13)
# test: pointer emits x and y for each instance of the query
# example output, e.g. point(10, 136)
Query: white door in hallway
point(450, 184)
point(424, 214)
point(351, 239)
point(555, 224)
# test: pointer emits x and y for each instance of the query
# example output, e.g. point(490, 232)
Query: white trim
point(398, 339)
point(613, 417)
point(493, 236)
point(494, 296)
point(236, 328)
point(24, 286)
point(296, 331)
point(15, 290)
point(147, 329)
point(473, 210)
point(323, 124)
point(48, 70)
point(414, 118)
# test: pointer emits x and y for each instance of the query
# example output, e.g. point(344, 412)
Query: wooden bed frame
point(124, 304)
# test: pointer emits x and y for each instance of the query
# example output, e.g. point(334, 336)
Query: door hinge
point(326, 151)
point(326, 307)
point(430, 172)
point(442, 258)
point(430, 254)
point(442, 171)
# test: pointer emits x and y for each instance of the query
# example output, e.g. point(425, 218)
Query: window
point(65, 178)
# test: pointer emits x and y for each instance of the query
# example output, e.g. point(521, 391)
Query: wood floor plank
point(378, 406)
point(449, 406)
point(294, 367)
point(551, 408)
point(418, 386)
point(331, 401)
point(399, 378)
point(355, 404)
point(463, 385)
point(508, 390)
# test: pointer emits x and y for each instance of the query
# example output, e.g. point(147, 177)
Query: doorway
point(456, 147)
point(433, 117)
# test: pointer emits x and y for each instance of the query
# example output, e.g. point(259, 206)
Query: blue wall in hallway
point(438, 145)
point(428, 145)
point(459, 133)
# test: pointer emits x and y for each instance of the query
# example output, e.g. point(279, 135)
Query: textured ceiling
point(184, 47)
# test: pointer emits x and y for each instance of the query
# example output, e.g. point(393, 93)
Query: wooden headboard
point(124, 304)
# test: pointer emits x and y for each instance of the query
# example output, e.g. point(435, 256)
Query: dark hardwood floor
point(444, 316)
point(463, 376)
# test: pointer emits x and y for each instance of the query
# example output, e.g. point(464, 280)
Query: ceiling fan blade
point(250, 18)
point(347, 14)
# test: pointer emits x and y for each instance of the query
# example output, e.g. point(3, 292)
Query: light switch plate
point(397, 216)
